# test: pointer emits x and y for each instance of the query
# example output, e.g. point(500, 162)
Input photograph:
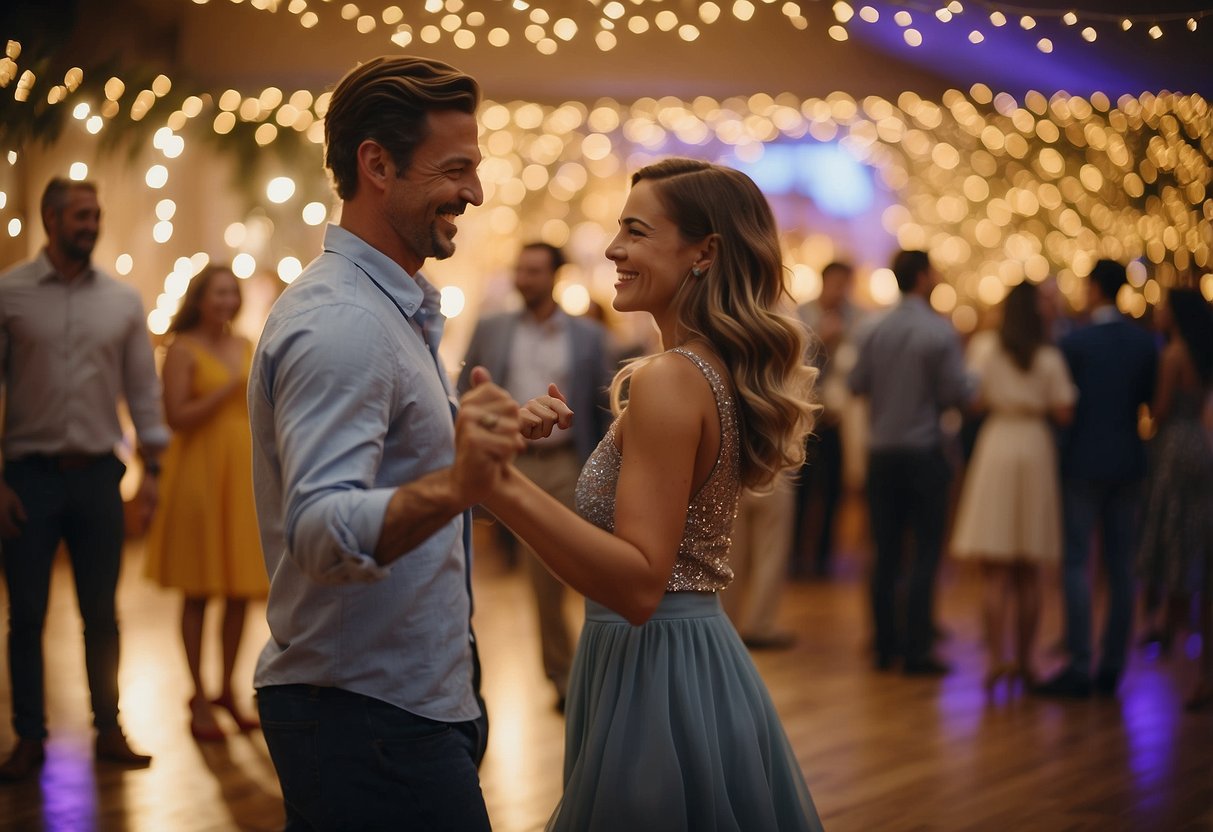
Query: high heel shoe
point(244, 723)
point(202, 730)
point(1201, 698)
point(996, 674)
point(1026, 677)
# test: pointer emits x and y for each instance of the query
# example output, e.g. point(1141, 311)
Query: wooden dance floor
point(880, 751)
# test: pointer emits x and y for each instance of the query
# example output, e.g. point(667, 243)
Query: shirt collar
point(409, 291)
point(429, 316)
point(1105, 313)
point(915, 302)
point(553, 323)
point(47, 271)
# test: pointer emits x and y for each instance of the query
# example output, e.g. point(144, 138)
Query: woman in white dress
point(1009, 517)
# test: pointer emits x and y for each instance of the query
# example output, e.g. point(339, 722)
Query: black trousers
point(820, 485)
point(347, 761)
point(907, 496)
point(74, 500)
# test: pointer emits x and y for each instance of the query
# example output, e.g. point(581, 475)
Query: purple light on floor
point(69, 791)
point(1150, 713)
point(1192, 646)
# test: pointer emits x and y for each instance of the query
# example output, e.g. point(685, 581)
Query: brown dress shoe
point(23, 762)
point(113, 748)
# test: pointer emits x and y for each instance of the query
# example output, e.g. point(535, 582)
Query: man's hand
point(12, 512)
point(146, 499)
point(542, 414)
point(487, 437)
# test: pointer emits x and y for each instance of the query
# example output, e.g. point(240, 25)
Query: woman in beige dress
point(1009, 516)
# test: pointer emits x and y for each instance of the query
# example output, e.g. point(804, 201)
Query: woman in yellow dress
point(203, 539)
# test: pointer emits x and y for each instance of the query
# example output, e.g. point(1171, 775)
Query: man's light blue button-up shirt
point(346, 403)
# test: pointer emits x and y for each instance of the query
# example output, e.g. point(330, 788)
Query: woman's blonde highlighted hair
point(734, 306)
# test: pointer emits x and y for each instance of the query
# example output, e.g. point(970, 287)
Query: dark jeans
point(347, 761)
point(81, 505)
point(1113, 506)
point(820, 483)
point(907, 492)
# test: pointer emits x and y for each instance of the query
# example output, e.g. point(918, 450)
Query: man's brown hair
point(387, 100)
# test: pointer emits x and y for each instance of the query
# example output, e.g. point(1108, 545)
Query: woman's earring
point(696, 271)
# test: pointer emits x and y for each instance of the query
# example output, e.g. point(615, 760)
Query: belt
point(66, 461)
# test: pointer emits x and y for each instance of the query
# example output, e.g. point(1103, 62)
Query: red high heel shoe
point(244, 723)
point(203, 731)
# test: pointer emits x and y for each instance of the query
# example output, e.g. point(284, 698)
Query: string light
point(1003, 188)
point(633, 17)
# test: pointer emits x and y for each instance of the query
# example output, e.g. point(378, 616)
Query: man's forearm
point(415, 512)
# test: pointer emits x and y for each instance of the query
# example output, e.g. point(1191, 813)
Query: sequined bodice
point(703, 555)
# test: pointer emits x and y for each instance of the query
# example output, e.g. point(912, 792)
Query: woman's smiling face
point(651, 258)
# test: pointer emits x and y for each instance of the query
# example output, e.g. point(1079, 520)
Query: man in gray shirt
point(525, 351)
point(73, 340)
point(364, 471)
point(911, 369)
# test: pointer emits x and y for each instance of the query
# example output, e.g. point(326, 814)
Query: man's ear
point(375, 164)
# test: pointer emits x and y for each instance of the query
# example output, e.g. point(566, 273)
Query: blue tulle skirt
point(670, 729)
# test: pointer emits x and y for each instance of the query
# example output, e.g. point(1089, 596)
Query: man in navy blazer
point(1103, 461)
point(528, 350)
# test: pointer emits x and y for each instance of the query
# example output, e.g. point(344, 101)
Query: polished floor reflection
point(880, 751)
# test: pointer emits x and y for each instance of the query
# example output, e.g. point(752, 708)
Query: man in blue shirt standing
point(364, 473)
point(911, 369)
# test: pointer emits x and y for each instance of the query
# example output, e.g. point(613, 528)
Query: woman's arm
point(183, 411)
point(1062, 415)
point(661, 432)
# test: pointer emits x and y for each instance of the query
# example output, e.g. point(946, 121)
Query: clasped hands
point(491, 429)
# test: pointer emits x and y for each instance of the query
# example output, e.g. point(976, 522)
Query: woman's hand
point(542, 414)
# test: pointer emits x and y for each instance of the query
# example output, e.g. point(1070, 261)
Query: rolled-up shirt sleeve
point(332, 387)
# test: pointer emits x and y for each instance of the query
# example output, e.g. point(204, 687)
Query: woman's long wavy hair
point(189, 314)
point(734, 307)
point(1023, 328)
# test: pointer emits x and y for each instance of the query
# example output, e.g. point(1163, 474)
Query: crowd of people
point(333, 469)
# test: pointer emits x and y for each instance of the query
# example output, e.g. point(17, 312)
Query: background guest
point(1009, 517)
point(1177, 530)
point(831, 320)
point(69, 333)
point(1103, 462)
point(204, 538)
point(525, 351)
point(762, 541)
point(911, 369)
